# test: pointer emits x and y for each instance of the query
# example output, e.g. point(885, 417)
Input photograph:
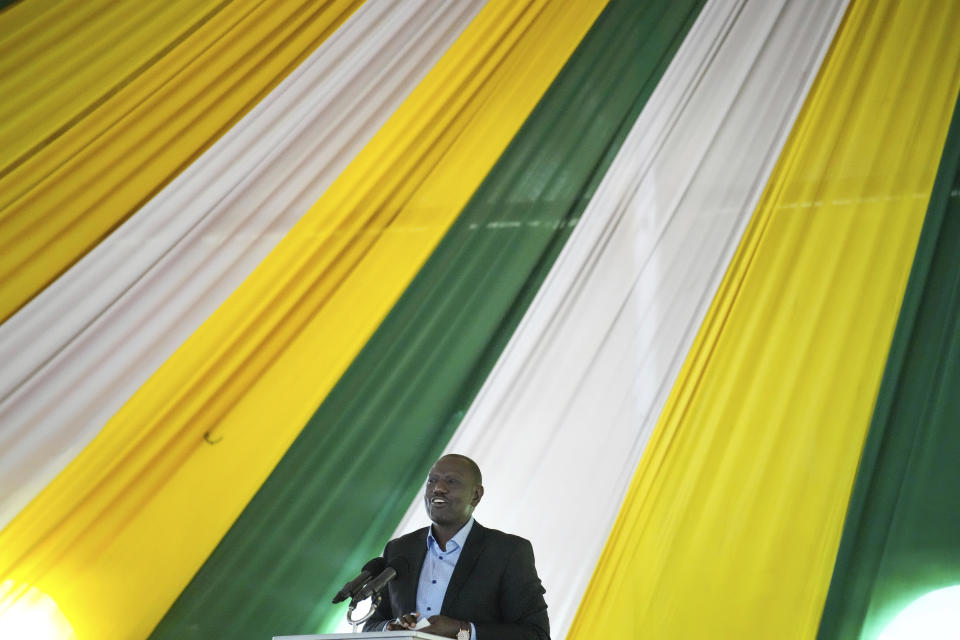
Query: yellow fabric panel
point(120, 532)
point(73, 191)
point(733, 518)
point(59, 58)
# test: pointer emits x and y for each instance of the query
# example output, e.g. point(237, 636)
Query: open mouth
point(438, 502)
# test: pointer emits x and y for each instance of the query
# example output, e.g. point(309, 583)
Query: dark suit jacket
point(494, 585)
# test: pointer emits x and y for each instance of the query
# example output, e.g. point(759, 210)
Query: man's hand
point(443, 626)
point(406, 621)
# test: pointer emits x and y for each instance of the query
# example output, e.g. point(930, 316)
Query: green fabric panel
point(338, 493)
point(901, 538)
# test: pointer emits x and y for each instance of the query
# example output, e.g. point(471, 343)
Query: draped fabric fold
point(901, 538)
point(123, 309)
point(60, 59)
point(114, 538)
point(569, 406)
point(732, 520)
point(92, 172)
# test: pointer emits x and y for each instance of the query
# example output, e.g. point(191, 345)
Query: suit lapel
point(472, 548)
point(415, 552)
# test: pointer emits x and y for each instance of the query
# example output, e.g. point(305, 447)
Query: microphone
point(396, 567)
point(372, 568)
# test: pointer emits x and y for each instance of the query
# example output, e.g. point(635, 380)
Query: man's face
point(451, 492)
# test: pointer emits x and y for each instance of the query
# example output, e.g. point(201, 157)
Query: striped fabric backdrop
point(681, 275)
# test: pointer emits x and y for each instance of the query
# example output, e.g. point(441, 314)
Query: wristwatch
point(464, 633)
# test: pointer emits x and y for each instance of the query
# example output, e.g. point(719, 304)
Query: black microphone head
point(372, 568)
point(375, 566)
point(396, 567)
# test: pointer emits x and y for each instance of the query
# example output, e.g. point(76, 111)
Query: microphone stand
point(374, 603)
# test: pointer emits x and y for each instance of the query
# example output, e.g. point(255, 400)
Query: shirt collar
point(459, 538)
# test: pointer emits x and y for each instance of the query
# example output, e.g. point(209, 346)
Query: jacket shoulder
point(408, 540)
point(502, 539)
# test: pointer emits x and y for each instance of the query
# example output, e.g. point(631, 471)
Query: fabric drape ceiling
point(733, 517)
point(160, 83)
point(654, 264)
point(125, 308)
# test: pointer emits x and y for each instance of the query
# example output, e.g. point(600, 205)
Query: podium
point(419, 635)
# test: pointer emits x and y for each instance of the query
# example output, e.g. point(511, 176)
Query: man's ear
point(477, 494)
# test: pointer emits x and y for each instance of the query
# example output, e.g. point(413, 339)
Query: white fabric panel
point(80, 349)
point(562, 421)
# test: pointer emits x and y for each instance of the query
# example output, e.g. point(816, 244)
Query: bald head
point(470, 466)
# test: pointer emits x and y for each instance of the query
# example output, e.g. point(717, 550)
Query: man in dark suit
point(468, 581)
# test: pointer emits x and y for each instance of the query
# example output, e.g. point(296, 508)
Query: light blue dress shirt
point(437, 570)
